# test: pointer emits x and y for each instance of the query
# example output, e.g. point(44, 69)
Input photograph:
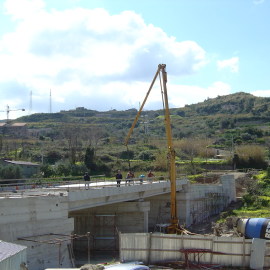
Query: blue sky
point(103, 55)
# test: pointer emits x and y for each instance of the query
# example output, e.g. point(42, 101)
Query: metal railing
point(52, 186)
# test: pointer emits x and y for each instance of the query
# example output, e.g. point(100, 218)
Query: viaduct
point(57, 221)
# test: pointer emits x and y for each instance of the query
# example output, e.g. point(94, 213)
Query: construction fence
point(155, 248)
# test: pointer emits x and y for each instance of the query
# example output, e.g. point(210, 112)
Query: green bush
point(249, 199)
point(106, 158)
point(128, 154)
point(47, 171)
point(146, 155)
point(10, 172)
point(262, 201)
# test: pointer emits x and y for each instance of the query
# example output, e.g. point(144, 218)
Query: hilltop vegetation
point(225, 125)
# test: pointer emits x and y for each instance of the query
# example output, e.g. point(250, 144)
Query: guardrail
point(21, 185)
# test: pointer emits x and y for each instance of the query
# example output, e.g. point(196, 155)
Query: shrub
point(146, 155)
point(47, 171)
point(106, 158)
point(249, 199)
point(10, 172)
point(128, 154)
point(251, 156)
point(52, 157)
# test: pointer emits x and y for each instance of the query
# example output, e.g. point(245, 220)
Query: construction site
point(150, 220)
point(62, 225)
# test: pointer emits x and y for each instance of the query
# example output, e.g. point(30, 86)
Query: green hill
point(217, 124)
point(209, 118)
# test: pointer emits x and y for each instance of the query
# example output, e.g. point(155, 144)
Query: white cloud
point(87, 57)
point(261, 93)
point(186, 94)
point(23, 8)
point(232, 64)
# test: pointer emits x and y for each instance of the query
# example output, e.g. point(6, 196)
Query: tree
point(89, 158)
point(161, 161)
point(92, 136)
point(193, 147)
point(251, 156)
point(71, 133)
point(53, 156)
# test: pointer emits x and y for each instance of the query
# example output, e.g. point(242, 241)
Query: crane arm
point(173, 228)
point(171, 153)
point(9, 110)
point(141, 108)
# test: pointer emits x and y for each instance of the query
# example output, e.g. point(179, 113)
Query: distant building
point(28, 169)
point(12, 256)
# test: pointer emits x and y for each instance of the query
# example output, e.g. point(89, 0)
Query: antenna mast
point(50, 101)
point(30, 105)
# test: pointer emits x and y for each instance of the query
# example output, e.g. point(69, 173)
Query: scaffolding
point(204, 207)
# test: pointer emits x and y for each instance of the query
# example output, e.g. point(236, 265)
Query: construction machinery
point(162, 74)
point(9, 110)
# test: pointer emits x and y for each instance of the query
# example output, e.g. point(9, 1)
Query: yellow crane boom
point(161, 72)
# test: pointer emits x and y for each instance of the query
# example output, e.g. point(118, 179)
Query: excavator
point(174, 226)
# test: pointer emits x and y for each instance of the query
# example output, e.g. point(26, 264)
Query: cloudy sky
point(103, 54)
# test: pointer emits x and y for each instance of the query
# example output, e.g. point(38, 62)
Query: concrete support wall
point(195, 202)
point(35, 218)
point(160, 211)
point(105, 222)
point(228, 185)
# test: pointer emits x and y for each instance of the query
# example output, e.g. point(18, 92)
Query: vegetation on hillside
point(234, 128)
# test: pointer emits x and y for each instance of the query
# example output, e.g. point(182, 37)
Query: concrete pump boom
point(161, 71)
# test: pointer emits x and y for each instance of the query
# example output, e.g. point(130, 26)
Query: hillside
point(235, 104)
point(238, 103)
point(200, 131)
point(210, 118)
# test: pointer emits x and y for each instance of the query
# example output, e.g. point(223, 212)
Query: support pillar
point(145, 221)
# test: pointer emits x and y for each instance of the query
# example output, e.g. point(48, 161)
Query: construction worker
point(86, 178)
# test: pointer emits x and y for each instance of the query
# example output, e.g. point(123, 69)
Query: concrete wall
point(34, 218)
point(153, 248)
point(195, 202)
point(105, 222)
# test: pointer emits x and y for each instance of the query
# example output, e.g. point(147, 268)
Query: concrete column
point(145, 221)
point(183, 199)
point(228, 185)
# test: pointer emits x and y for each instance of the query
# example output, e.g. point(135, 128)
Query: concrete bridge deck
point(99, 192)
point(103, 195)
